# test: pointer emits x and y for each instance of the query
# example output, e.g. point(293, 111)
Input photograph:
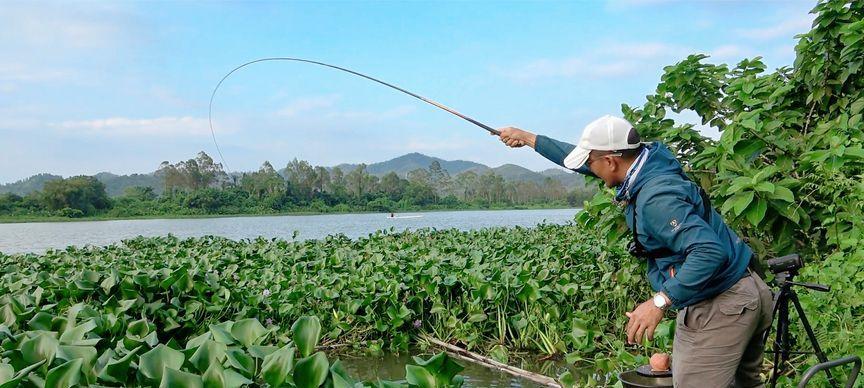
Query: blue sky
point(121, 86)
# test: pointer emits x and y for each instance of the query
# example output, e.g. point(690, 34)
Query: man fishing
point(696, 264)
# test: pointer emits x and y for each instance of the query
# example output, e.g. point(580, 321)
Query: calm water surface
point(40, 236)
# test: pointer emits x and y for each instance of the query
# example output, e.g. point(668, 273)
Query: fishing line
point(421, 98)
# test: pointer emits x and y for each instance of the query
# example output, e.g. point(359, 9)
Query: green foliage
point(28, 358)
point(551, 289)
point(76, 196)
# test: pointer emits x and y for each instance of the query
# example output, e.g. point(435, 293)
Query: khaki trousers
point(718, 342)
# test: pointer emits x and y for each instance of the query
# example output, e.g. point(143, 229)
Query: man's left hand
point(643, 320)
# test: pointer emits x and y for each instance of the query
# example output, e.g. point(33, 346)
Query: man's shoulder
point(672, 185)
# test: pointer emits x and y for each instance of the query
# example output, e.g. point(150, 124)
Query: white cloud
point(307, 104)
point(122, 126)
point(601, 61)
point(786, 29)
point(63, 25)
point(15, 72)
point(41, 40)
point(354, 117)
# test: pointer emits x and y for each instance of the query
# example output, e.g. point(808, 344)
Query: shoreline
point(58, 219)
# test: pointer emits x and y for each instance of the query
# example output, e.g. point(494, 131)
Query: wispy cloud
point(43, 40)
point(123, 126)
point(64, 26)
point(307, 104)
point(602, 61)
point(17, 72)
point(353, 117)
point(784, 29)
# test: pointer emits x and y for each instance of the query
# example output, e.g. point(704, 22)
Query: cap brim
point(576, 158)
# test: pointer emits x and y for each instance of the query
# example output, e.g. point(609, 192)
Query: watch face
point(659, 301)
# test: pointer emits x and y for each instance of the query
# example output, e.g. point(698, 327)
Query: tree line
point(201, 186)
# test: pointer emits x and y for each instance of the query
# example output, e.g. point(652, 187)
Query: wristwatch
point(660, 301)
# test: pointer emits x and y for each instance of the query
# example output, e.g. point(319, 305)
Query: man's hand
point(643, 320)
point(515, 137)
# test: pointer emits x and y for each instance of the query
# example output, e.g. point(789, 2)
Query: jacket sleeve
point(556, 151)
point(676, 223)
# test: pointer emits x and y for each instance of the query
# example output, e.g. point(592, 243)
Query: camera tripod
point(785, 268)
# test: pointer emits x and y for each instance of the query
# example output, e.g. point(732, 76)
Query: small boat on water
point(394, 216)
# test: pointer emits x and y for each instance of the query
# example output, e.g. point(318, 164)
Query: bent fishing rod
point(417, 96)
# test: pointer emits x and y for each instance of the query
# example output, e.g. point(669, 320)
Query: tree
point(466, 185)
point(439, 179)
point(192, 174)
point(301, 176)
point(358, 181)
point(266, 182)
point(140, 193)
point(84, 193)
point(393, 186)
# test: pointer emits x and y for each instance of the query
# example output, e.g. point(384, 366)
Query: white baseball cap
point(607, 133)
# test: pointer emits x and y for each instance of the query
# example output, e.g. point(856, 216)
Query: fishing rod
point(417, 96)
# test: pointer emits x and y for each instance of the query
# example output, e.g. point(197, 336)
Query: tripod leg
point(781, 313)
point(816, 348)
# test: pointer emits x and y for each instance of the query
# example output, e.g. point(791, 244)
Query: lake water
point(40, 236)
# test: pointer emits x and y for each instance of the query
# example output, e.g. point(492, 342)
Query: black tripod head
point(785, 268)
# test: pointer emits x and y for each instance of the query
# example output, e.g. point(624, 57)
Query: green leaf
point(310, 372)
point(76, 334)
point(764, 187)
point(756, 212)
point(86, 353)
point(174, 378)
point(7, 372)
point(567, 380)
point(153, 363)
point(214, 376)
point(741, 201)
point(41, 347)
point(234, 379)
point(41, 321)
point(21, 375)
point(116, 371)
point(306, 332)
point(65, 375)
point(278, 366)
point(419, 377)
point(341, 378)
point(222, 332)
point(248, 331)
point(241, 361)
point(199, 340)
point(259, 351)
point(139, 328)
point(783, 194)
point(208, 353)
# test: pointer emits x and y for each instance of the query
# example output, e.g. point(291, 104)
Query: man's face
point(607, 166)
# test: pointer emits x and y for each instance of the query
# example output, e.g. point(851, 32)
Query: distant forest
point(200, 186)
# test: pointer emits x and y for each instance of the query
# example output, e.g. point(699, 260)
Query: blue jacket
point(708, 257)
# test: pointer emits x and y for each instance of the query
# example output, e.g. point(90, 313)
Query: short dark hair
point(631, 153)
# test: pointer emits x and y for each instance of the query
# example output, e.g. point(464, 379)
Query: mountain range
point(116, 184)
